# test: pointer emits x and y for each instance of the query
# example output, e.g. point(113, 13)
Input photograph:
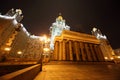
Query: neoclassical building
point(75, 46)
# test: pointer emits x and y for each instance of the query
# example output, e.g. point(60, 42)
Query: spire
point(60, 17)
point(60, 14)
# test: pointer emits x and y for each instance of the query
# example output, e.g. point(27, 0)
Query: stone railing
point(24, 74)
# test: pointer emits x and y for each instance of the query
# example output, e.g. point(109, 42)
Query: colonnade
point(77, 51)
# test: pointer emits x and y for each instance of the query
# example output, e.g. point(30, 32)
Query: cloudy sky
point(80, 15)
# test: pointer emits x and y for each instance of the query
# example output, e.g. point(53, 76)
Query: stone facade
point(74, 46)
point(15, 40)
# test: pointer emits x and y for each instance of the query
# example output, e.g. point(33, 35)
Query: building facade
point(105, 46)
point(75, 46)
point(15, 40)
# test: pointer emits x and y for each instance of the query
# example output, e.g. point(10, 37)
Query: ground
point(79, 71)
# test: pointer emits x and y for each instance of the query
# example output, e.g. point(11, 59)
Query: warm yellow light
point(7, 49)
point(46, 49)
point(106, 57)
point(111, 58)
point(94, 29)
point(118, 56)
point(60, 18)
point(19, 52)
point(48, 40)
point(44, 38)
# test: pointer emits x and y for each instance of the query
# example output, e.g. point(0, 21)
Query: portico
point(74, 46)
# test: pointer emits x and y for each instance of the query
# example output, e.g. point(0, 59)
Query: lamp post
point(42, 41)
point(44, 47)
point(6, 53)
point(20, 54)
point(46, 54)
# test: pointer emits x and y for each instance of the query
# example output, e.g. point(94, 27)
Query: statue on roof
point(96, 32)
point(10, 12)
point(17, 14)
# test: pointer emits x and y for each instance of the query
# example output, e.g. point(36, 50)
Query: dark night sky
point(80, 15)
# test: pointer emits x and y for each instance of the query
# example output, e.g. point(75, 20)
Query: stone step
point(77, 63)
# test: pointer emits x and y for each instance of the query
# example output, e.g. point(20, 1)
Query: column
point(79, 51)
point(60, 50)
point(56, 51)
point(70, 50)
point(96, 52)
point(88, 52)
point(101, 57)
point(76, 51)
point(73, 50)
point(82, 51)
point(67, 51)
point(64, 50)
point(93, 53)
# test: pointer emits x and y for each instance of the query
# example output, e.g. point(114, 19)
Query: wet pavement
point(79, 71)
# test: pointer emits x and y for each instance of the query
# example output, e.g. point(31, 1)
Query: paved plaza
point(79, 71)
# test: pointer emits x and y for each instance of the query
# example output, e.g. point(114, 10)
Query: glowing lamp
point(19, 52)
point(7, 49)
point(118, 57)
point(111, 58)
point(46, 49)
point(106, 58)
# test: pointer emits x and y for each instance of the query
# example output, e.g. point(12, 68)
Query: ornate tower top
point(57, 28)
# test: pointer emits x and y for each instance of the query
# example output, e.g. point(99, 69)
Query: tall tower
point(57, 28)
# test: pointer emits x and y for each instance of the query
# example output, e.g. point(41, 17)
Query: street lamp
point(5, 53)
point(7, 49)
point(45, 46)
point(19, 52)
point(42, 40)
point(46, 49)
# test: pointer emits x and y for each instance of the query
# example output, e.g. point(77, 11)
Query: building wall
point(75, 46)
point(7, 29)
point(14, 36)
point(7, 34)
point(104, 45)
point(107, 49)
point(33, 48)
point(19, 43)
